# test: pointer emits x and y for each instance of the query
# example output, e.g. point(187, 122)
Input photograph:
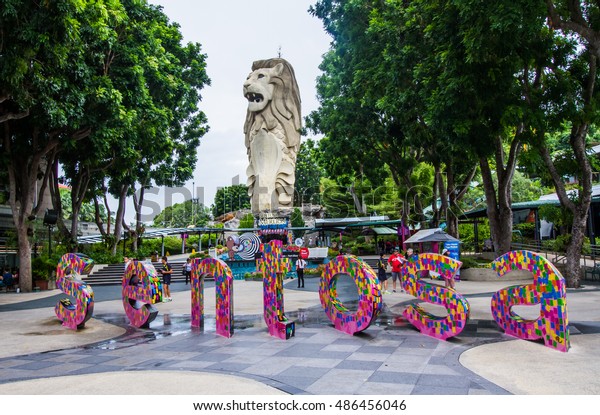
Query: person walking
point(166, 273)
point(382, 273)
point(187, 270)
point(300, 265)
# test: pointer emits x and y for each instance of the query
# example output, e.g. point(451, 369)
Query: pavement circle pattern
point(390, 358)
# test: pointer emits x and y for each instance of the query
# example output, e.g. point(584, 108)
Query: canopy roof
point(430, 235)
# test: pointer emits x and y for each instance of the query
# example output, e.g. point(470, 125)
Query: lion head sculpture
point(272, 133)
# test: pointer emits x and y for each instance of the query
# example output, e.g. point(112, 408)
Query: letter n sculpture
point(223, 291)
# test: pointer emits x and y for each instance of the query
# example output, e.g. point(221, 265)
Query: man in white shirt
point(300, 265)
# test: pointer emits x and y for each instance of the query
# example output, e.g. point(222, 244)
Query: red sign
point(304, 253)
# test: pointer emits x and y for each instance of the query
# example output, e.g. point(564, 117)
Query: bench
point(593, 271)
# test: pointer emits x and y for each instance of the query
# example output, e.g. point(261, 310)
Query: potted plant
point(43, 270)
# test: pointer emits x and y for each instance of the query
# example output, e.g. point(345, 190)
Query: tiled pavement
point(389, 358)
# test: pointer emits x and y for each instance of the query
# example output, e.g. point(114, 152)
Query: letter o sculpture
point(369, 294)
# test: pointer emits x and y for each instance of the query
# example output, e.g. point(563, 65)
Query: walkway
point(390, 357)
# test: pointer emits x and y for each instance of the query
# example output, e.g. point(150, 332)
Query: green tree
point(229, 199)
point(308, 173)
point(46, 84)
point(372, 104)
point(182, 215)
point(297, 221)
point(158, 79)
point(565, 94)
point(247, 222)
point(86, 213)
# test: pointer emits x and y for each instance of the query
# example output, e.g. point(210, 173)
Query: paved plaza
point(110, 357)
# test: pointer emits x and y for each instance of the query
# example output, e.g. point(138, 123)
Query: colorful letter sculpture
point(456, 305)
point(141, 288)
point(72, 315)
point(273, 266)
point(369, 294)
point(223, 291)
point(548, 288)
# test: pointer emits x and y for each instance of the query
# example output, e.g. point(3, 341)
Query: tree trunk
point(573, 268)
point(451, 218)
point(22, 179)
point(499, 212)
point(580, 208)
point(57, 202)
point(25, 275)
point(138, 202)
point(119, 218)
point(358, 205)
point(435, 221)
point(443, 189)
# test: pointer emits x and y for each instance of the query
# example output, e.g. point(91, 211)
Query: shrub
point(526, 229)
point(43, 268)
point(469, 262)
point(562, 241)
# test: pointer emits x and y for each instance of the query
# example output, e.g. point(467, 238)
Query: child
point(382, 273)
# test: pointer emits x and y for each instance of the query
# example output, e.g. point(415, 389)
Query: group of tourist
point(7, 279)
point(395, 264)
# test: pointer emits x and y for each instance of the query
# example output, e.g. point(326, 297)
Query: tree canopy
point(229, 199)
point(103, 93)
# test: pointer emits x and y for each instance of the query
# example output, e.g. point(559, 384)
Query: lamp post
point(125, 235)
point(193, 202)
point(50, 218)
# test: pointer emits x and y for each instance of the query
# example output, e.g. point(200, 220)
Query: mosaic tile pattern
point(548, 290)
point(456, 305)
point(273, 267)
point(141, 287)
point(68, 270)
point(369, 294)
point(223, 277)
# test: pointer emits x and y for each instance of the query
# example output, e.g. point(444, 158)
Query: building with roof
point(529, 212)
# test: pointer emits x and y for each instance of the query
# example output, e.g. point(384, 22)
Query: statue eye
point(260, 76)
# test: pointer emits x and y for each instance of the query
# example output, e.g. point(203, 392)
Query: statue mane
point(283, 109)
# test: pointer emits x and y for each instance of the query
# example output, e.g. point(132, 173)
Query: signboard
point(304, 252)
point(453, 248)
point(272, 225)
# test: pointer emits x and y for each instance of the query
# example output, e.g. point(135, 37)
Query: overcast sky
point(233, 34)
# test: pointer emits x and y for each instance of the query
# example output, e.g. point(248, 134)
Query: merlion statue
point(272, 131)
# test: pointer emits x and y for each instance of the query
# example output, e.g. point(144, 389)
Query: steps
point(113, 274)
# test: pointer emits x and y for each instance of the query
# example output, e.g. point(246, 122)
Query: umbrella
point(430, 235)
point(440, 236)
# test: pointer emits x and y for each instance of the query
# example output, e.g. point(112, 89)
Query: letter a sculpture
point(272, 131)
